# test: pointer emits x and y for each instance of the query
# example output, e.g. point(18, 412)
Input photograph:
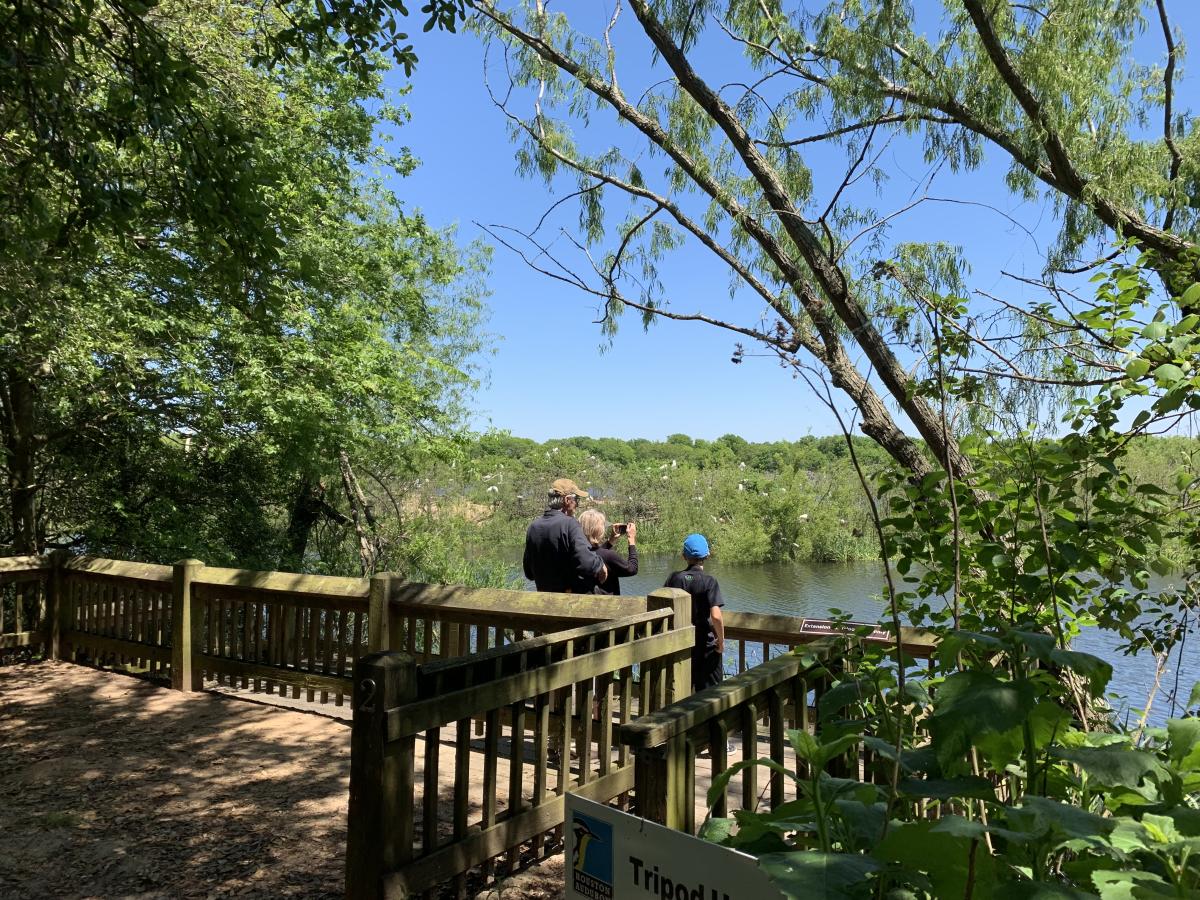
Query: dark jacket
point(558, 556)
point(706, 594)
point(618, 568)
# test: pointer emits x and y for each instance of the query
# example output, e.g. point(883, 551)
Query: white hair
point(593, 523)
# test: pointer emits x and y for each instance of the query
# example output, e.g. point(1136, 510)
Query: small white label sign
point(612, 855)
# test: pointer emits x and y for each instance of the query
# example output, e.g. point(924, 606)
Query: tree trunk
point(306, 510)
point(20, 450)
point(363, 516)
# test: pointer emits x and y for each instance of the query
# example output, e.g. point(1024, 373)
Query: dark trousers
point(707, 669)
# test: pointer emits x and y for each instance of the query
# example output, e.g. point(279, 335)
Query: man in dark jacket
point(557, 554)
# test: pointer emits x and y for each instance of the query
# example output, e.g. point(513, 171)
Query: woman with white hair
point(595, 527)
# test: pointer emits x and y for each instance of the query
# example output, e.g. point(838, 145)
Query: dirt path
point(113, 787)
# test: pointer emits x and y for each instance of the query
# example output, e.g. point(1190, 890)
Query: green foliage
point(755, 502)
point(1040, 792)
point(1083, 814)
point(207, 291)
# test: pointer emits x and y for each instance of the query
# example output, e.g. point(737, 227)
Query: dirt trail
point(114, 787)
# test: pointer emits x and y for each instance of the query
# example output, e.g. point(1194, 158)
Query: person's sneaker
point(707, 751)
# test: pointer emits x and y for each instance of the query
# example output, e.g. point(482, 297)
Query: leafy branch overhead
point(764, 135)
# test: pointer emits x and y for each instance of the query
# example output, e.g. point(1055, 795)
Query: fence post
point(681, 602)
point(57, 611)
point(377, 612)
point(183, 677)
point(660, 783)
point(379, 834)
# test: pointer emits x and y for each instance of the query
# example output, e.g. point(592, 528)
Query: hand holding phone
point(619, 527)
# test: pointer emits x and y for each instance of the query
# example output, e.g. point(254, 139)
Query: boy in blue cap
point(707, 655)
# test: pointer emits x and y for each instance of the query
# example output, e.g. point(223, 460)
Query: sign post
point(612, 855)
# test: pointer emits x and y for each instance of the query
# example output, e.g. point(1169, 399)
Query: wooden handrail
point(545, 640)
point(427, 599)
point(24, 563)
point(146, 573)
point(416, 717)
point(776, 629)
point(284, 582)
point(659, 727)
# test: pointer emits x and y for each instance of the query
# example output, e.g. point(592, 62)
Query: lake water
point(813, 589)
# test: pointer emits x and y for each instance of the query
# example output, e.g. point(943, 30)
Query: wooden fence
point(521, 689)
point(551, 705)
point(760, 705)
point(25, 591)
point(666, 743)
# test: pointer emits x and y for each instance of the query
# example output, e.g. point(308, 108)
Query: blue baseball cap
point(695, 546)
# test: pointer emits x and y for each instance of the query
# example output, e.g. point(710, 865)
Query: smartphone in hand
point(620, 528)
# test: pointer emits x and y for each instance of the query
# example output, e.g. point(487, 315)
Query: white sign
point(612, 855)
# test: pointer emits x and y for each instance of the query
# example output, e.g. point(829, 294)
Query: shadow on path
point(114, 787)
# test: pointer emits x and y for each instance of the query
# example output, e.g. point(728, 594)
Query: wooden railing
point(25, 596)
point(277, 632)
point(755, 638)
point(551, 705)
point(116, 613)
point(758, 705)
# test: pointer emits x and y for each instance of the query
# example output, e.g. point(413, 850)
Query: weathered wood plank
point(91, 567)
point(547, 640)
point(486, 843)
point(416, 717)
point(116, 645)
point(19, 564)
point(773, 629)
point(426, 599)
point(659, 727)
point(379, 837)
point(21, 639)
point(276, 674)
point(328, 586)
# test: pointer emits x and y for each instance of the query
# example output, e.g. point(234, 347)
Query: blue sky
point(553, 373)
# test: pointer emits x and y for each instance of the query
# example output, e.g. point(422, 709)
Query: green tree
point(208, 278)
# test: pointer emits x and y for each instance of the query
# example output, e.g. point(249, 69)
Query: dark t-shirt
point(618, 567)
point(557, 555)
point(706, 594)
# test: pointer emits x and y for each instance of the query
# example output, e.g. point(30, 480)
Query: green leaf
point(1130, 885)
point(865, 820)
point(1191, 296)
point(1137, 367)
point(717, 830)
point(971, 703)
point(1155, 331)
point(1064, 818)
point(1184, 743)
point(1097, 671)
point(810, 874)
point(1168, 374)
point(944, 856)
point(1114, 766)
point(842, 695)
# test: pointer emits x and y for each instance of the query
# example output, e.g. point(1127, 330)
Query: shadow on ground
point(114, 787)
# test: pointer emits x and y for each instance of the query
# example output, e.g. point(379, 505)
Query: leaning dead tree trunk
point(362, 517)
